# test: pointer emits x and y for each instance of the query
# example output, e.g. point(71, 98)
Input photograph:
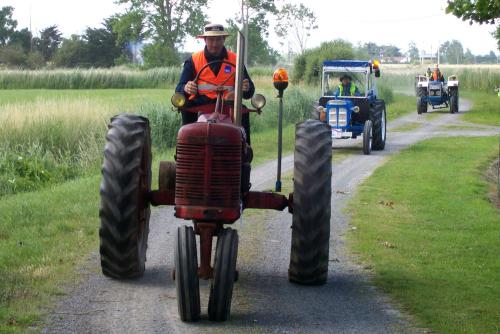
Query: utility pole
point(31, 34)
point(438, 58)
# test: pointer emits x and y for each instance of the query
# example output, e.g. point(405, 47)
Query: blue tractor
point(353, 110)
point(438, 94)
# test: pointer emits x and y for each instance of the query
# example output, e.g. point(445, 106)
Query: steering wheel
point(219, 87)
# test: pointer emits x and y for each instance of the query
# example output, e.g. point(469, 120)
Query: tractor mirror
point(178, 100)
point(258, 101)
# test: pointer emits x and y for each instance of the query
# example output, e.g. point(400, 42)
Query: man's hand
point(191, 88)
point(246, 85)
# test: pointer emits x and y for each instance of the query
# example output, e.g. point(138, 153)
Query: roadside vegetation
point(425, 224)
point(485, 108)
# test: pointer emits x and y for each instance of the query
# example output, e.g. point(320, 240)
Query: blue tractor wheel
point(367, 137)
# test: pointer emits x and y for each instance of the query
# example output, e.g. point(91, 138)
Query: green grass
point(425, 224)
point(114, 78)
point(485, 108)
point(407, 127)
point(52, 136)
point(44, 236)
point(403, 104)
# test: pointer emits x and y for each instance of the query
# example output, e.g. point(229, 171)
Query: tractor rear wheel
point(379, 120)
point(186, 275)
point(311, 204)
point(221, 287)
point(367, 137)
point(421, 103)
point(124, 209)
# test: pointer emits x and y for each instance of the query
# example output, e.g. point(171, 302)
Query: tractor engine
point(208, 179)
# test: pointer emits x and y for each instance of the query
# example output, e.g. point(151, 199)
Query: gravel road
point(263, 300)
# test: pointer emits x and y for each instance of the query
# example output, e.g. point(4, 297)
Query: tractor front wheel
point(379, 120)
point(454, 101)
point(124, 209)
point(367, 137)
point(311, 204)
point(186, 275)
point(221, 287)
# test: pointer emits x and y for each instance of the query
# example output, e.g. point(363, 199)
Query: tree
point(468, 57)
point(102, 49)
point(72, 53)
point(296, 22)
point(130, 30)
point(308, 65)
point(413, 52)
point(259, 51)
point(159, 55)
point(48, 42)
point(171, 21)
point(452, 52)
point(21, 38)
point(480, 11)
point(390, 51)
point(7, 24)
point(13, 55)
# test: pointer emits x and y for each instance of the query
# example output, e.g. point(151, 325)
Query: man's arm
point(187, 74)
point(248, 95)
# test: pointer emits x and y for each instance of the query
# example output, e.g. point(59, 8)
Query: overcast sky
point(383, 22)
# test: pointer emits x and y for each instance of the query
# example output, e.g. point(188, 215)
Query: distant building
point(428, 58)
point(395, 60)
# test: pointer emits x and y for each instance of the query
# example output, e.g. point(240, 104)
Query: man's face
point(346, 81)
point(215, 44)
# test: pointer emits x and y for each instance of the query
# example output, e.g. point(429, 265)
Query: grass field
point(426, 226)
point(485, 108)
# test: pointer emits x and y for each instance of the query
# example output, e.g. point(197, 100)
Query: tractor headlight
point(321, 113)
point(355, 109)
point(178, 100)
point(258, 101)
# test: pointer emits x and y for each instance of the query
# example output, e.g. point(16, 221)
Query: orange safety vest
point(208, 81)
point(435, 75)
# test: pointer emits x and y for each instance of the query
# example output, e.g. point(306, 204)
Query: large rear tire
point(311, 204)
point(221, 287)
point(367, 137)
point(379, 121)
point(124, 209)
point(186, 275)
point(421, 102)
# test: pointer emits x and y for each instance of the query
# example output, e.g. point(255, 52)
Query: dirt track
point(263, 300)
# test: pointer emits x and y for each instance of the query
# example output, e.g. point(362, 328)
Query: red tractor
point(209, 185)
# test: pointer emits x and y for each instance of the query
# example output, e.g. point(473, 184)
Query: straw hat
point(213, 30)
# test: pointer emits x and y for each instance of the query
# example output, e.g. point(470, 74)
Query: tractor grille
point(208, 171)
point(339, 121)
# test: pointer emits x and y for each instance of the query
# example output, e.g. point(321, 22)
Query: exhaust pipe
point(238, 93)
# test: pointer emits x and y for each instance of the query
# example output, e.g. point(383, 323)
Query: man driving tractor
point(219, 75)
point(436, 75)
point(347, 87)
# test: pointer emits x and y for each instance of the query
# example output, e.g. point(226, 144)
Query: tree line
point(150, 32)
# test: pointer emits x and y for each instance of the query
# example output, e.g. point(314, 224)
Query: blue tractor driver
point(347, 87)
